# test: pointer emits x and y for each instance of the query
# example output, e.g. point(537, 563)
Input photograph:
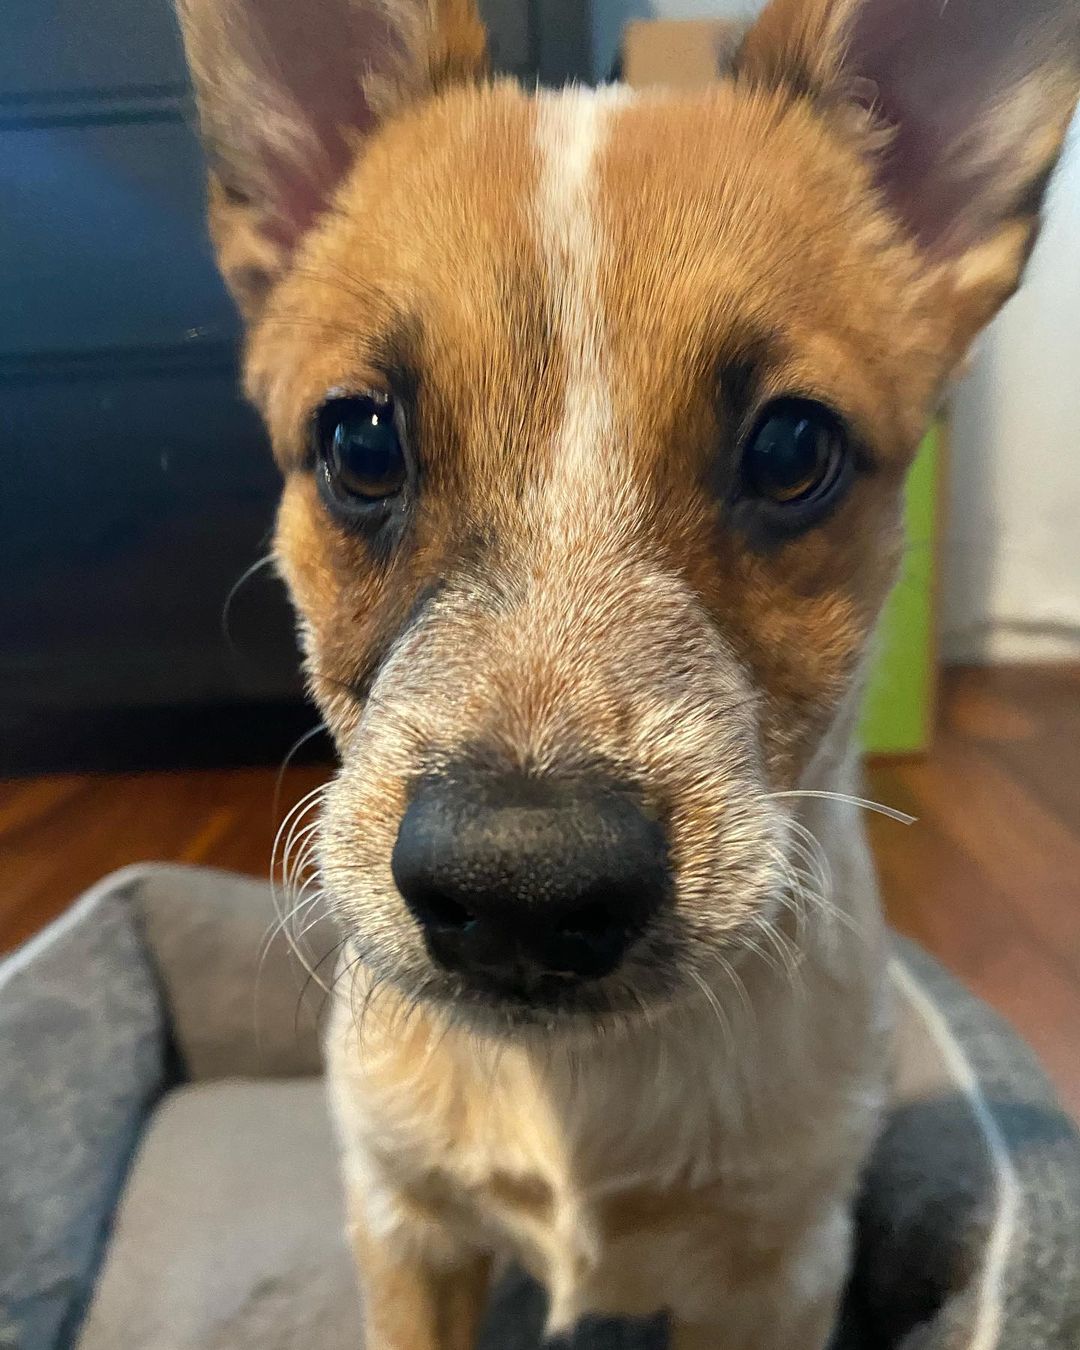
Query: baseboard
point(1014, 642)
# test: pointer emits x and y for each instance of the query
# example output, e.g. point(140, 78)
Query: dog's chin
point(657, 982)
point(660, 978)
point(552, 1008)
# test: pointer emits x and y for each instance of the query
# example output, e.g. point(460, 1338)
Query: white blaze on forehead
point(571, 128)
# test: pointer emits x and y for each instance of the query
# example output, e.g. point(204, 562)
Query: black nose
point(515, 880)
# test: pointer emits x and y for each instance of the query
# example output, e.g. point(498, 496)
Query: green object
point(898, 713)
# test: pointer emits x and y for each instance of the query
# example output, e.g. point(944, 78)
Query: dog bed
point(168, 1179)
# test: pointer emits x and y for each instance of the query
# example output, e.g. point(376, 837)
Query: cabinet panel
point(53, 47)
point(103, 227)
point(133, 500)
point(134, 45)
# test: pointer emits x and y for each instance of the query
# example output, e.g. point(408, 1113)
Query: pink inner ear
point(318, 56)
point(941, 67)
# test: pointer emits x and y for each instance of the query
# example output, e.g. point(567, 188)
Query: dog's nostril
point(586, 940)
point(588, 921)
point(443, 911)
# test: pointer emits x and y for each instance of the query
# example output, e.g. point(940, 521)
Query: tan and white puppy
point(594, 411)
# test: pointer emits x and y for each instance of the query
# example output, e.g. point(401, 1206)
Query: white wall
point(1011, 583)
point(1011, 553)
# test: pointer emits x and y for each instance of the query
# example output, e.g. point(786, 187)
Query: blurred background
point(149, 693)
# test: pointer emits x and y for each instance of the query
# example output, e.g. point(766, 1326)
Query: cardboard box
point(680, 53)
point(898, 716)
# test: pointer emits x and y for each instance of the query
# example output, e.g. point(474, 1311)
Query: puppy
point(594, 411)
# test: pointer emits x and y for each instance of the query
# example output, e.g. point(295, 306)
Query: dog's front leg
point(790, 1303)
point(810, 1328)
point(414, 1299)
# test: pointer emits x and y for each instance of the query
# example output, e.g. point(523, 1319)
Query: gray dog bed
point(168, 1182)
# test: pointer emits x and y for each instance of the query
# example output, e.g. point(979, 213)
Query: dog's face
point(594, 412)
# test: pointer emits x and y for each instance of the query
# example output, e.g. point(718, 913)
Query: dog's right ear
point(288, 89)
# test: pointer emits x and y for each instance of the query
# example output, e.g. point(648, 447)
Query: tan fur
point(593, 295)
point(412, 1306)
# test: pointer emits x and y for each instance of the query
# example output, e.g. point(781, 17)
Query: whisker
point(311, 924)
point(313, 977)
point(790, 955)
point(290, 754)
point(226, 609)
point(298, 853)
point(347, 971)
point(306, 804)
point(297, 806)
point(283, 919)
point(299, 859)
point(309, 802)
point(276, 930)
point(893, 813)
point(781, 968)
point(281, 927)
point(808, 848)
point(796, 899)
point(304, 904)
point(735, 979)
point(717, 1009)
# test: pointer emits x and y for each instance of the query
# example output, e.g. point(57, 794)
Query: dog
point(594, 410)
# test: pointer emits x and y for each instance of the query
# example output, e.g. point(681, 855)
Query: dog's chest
point(569, 1186)
point(607, 1186)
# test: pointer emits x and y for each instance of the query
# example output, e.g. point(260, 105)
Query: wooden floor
point(988, 878)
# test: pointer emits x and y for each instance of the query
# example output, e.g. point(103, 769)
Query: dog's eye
point(796, 456)
point(360, 453)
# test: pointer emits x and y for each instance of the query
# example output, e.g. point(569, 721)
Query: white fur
point(572, 126)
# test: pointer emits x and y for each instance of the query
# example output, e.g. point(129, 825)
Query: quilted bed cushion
point(229, 1236)
point(228, 1233)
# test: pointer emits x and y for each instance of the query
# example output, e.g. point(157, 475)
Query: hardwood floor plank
point(58, 835)
point(989, 878)
point(1008, 841)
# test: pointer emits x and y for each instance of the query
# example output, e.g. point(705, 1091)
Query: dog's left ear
point(969, 100)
